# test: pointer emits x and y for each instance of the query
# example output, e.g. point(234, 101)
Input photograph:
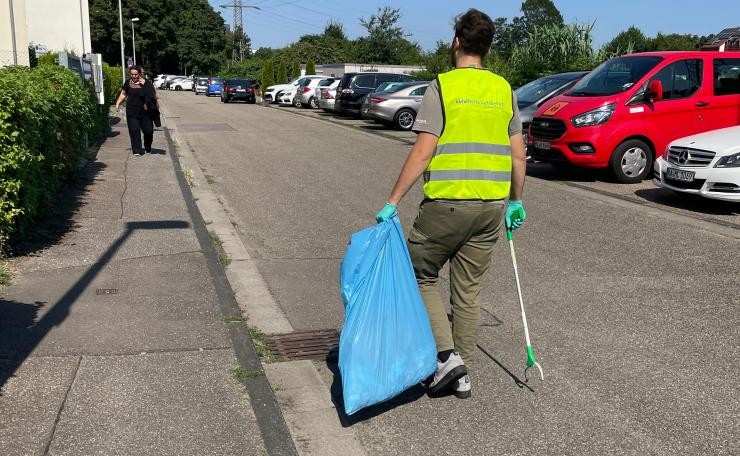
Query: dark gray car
point(530, 96)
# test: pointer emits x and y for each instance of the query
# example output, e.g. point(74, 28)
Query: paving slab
point(30, 401)
point(160, 303)
point(184, 404)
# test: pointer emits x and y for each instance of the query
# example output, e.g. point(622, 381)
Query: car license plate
point(544, 145)
point(680, 175)
point(241, 90)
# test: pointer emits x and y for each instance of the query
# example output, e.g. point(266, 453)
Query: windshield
point(614, 76)
point(536, 90)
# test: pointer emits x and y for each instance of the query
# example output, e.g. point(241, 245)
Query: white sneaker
point(447, 373)
point(461, 388)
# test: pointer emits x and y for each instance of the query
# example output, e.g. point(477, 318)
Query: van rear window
point(727, 76)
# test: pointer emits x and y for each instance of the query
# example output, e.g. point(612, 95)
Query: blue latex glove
point(515, 215)
point(388, 211)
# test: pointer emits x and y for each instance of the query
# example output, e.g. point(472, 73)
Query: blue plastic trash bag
point(386, 345)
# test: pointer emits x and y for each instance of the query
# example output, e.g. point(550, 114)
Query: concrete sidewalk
point(117, 334)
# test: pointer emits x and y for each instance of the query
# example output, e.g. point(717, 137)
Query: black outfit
point(138, 98)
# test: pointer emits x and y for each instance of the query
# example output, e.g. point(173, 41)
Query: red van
point(626, 111)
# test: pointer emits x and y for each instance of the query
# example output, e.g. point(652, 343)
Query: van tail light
point(348, 91)
point(229, 90)
point(250, 90)
point(305, 89)
point(377, 100)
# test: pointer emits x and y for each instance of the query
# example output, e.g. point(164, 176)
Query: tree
point(296, 69)
point(310, 67)
point(540, 13)
point(627, 42)
point(386, 41)
point(282, 73)
point(435, 62)
point(268, 75)
point(675, 42)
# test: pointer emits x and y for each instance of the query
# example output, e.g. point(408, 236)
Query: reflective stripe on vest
point(473, 155)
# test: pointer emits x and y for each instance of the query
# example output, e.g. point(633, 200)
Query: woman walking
point(139, 96)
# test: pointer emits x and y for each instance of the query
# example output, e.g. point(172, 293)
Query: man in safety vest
point(471, 153)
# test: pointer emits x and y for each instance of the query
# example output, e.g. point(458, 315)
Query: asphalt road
point(632, 305)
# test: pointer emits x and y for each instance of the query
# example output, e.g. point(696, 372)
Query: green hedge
point(47, 119)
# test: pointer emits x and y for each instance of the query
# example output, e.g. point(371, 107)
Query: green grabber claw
point(531, 361)
point(519, 213)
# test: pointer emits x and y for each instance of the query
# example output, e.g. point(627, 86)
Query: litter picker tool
point(531, 361)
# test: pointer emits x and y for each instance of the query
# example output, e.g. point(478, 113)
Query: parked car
point(238, 89)
point(169, 82)
point(201, 85)
point(323, 85)
point(397, 106)
point(328, 95)
point(157, 81)
point(305, 92)
point(354, 87)
point(273, 92)
point(182, 84)
point(626, 111)
point(707, 164)
point(532, 95)
point(287, 97)
point(215, 86)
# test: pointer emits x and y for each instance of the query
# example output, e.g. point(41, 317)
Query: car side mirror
point(654, 91)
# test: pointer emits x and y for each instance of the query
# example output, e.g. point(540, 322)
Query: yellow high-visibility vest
point(473, 155)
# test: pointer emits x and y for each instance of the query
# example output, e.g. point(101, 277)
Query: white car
point(287, 97)
point(306, 91)
point(707, 164)
point(273, 93)
point(184, 84)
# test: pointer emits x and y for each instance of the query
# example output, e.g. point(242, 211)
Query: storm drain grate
point(106, 291)
point(323, 343)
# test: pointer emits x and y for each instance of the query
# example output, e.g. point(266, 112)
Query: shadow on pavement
point(548, 172)
point(517, 381)
point(410, 395)
point(157, 152)
point(690, 202)
point(19, 336)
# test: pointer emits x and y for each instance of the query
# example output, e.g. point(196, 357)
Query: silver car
point(304, 95)
point(398, 106)
point(328, 96)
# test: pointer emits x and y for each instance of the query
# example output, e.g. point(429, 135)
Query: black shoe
point(138, 154)
point(148, 151)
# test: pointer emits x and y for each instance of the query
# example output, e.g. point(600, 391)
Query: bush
point(310, 67)
point(46, 118)
point(268, 76)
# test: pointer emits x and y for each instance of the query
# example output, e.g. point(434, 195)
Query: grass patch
point(232, 319)
point(260, 346)
point(224, 260)
point(241, 375)
point(189, 178)
point(216, 241)
point(210, 179)
point(5, 276)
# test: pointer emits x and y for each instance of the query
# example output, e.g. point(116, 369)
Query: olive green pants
point(463, 233)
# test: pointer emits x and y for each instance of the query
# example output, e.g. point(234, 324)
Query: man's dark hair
point(475, 30)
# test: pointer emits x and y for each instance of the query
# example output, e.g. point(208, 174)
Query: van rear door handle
point(701, 104)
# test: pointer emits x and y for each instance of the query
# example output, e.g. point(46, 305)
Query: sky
point(281, 22)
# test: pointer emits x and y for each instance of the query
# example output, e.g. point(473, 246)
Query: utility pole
point(239, 24)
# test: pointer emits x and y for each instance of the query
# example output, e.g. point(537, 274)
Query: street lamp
point(133, 37)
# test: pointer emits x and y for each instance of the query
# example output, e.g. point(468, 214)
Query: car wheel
point(313, 103)
point(297, 102)
point(631, 161)
point(178, 88)
point(404, 119)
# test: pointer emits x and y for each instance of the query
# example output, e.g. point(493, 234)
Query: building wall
point(338, 69)
point(9, 56)
point(59, 24)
